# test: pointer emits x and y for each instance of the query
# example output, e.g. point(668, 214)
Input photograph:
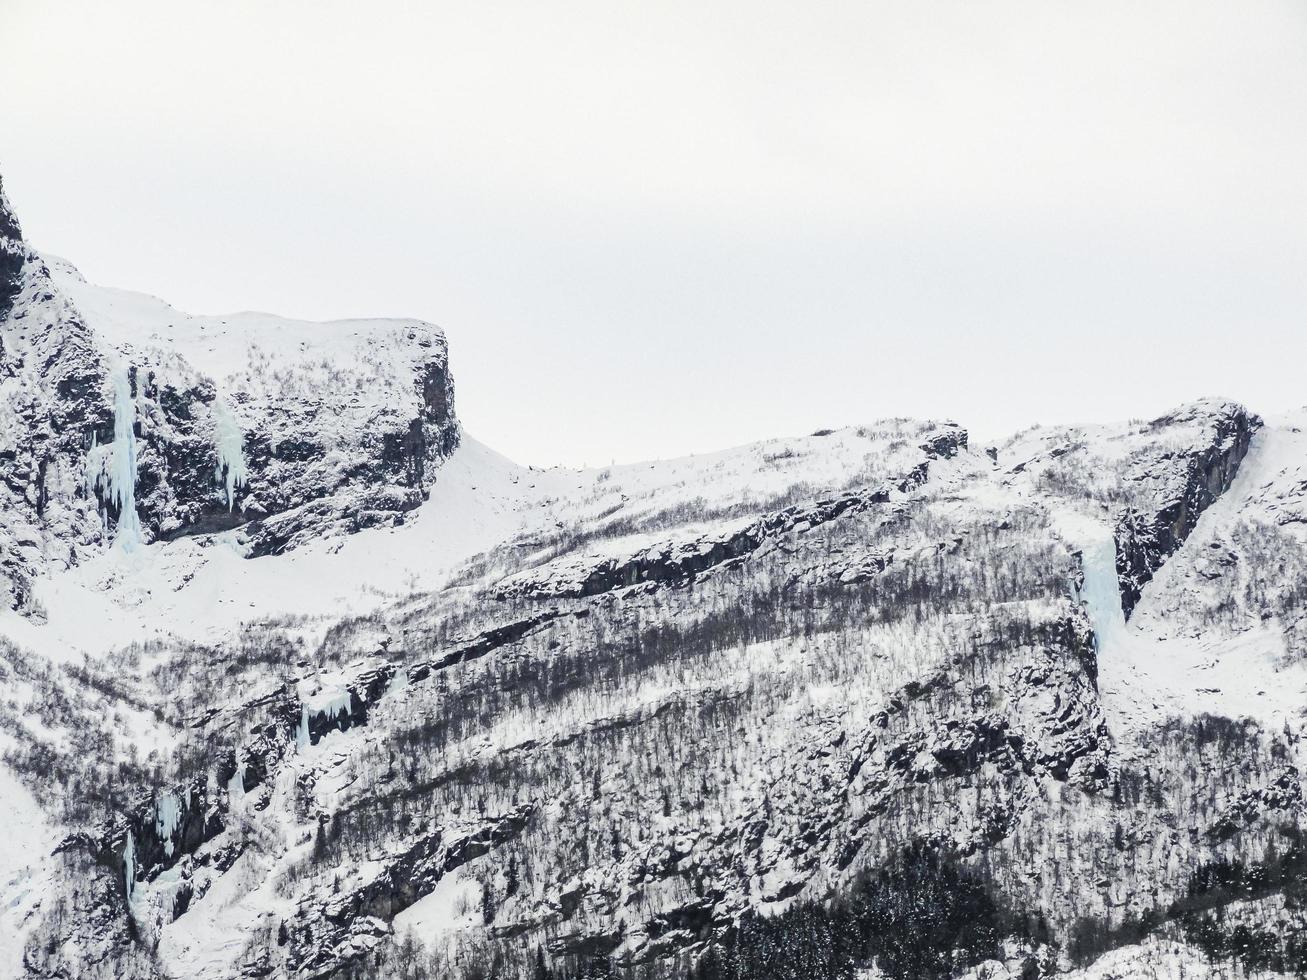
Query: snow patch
point(452, 907)
point(28, 837)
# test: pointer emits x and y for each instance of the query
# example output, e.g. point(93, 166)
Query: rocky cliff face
point(52, 403)
point(11, 253)
point(861, 703)
point(125, 420)
point(1145, 540)
point(634, 748)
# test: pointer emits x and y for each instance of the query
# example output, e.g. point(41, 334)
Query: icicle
point(167, 816)
point(129, 868)
point(236, 785)
point(1101, 592)
point(302, 732)
point(111, 469)
point(229, 441)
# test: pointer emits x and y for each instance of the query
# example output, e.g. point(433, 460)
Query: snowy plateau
point(297, 679)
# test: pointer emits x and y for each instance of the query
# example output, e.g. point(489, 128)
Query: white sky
point(657, 228)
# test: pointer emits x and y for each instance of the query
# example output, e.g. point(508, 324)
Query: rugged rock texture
point(114, 432)
point(11, 253)
point(471, 744)
point(626, 755)
point(323, 934)
point(680, 562)
point(52, 406)
point(1144, 540)
point(862, 699)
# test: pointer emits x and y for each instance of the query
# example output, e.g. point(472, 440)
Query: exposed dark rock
point(324, 936)
point(1144, 541)
point(682, 563)
point(485, 643)
point(12, 253)
point(947, 444)
point(295, 484)
point(1282, 795)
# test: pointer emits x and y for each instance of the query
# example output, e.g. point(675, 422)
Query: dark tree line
point(924, 918)
point(1216, 884)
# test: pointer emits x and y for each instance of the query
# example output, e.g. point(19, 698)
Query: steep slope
point(295, 413)
point(122, 419)
point(11, 253)
point(872, 700)
point(680, 714)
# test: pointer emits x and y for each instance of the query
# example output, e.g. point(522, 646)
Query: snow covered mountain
point(297, 680)
point(125, 419)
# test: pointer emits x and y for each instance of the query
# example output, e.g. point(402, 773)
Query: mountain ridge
point(301, 681)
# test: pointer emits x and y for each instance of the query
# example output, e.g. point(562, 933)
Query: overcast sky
point(666, 227)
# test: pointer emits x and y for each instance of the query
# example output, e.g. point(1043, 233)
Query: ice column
point(228, 440)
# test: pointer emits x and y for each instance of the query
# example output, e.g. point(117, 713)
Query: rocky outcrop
point(154, 835)
point(487, 642)
point(54, 406)
point(101, 940)
point(680, 563)
point(1282, 795)
point(292, 468)
point(324, 936)
point(104, 439)
point(947, 443)
point(1146, 539)
point(1060, 724)
point(11, 253)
